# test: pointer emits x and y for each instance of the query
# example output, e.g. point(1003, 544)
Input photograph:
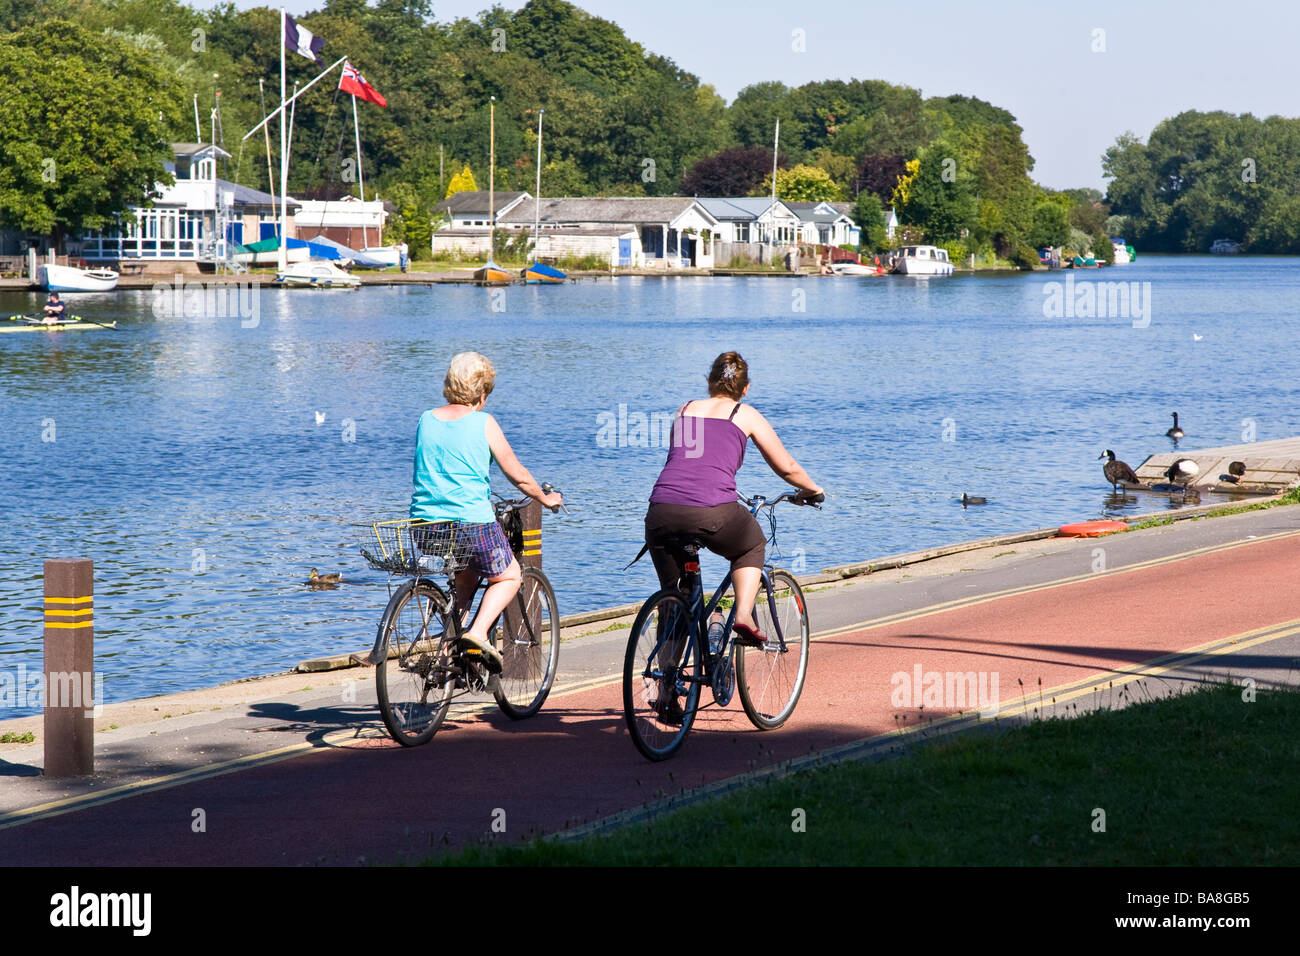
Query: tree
point(802, 184)
point(939, 197)
point(463, 181)
point(59, 175)
point(869, 214)
point(879, 174)
point(738, 171)
point(1051, 225)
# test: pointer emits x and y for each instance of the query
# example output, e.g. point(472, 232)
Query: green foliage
point(1051, 226)
point(463, 181)
point(941, 196)
point(802, 184)
point(58, 175)
point(869, 214)
point(1204, 176)
point(1025, 257)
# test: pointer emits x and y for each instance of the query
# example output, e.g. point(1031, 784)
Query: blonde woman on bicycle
point(454, 447)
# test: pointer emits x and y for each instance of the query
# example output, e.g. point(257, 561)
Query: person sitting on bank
point(53, 309)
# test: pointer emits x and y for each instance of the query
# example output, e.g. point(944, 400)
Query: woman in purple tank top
point(696, 491)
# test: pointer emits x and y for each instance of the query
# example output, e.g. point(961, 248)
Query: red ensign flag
point(353, 82)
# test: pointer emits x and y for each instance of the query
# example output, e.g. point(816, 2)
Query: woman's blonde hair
point(470, 376)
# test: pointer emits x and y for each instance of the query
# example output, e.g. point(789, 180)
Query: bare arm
point(774, 453)
point(519, 476)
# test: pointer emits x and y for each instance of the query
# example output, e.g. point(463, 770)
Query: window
point(742, 232)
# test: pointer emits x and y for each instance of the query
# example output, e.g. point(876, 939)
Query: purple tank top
point(702, 462)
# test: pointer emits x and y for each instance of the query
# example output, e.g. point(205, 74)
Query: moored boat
point(540, 274)
point(923, 261)
point(491, 273)
point(316, 274)
point(1225, 247)
point(68, 279)
point(266, 252)
point(851, 269)
point(1124, 253)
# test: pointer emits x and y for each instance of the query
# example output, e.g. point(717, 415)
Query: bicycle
point(421, 662)
point(669, 659)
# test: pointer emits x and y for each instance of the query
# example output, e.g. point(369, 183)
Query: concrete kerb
point(573, 625)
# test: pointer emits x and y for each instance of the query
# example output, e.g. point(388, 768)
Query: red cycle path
point(373, 801)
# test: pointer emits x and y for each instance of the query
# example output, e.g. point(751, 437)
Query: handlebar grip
point(803, 498)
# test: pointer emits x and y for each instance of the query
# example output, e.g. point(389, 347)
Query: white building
point(669, 232)
point(195, 221)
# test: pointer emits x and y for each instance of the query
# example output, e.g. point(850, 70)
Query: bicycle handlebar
point(799, 497)
point(547, 488)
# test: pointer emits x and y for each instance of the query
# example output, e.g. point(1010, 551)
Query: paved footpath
point(280, 773)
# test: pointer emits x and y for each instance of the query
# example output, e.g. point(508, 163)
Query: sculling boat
point(68, 279)
point(538, 273)
point(25, 323)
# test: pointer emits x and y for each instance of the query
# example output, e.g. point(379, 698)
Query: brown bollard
point(532, 520)
point(69, 668)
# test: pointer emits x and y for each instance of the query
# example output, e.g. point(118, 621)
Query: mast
point(537, 206)
point(492, 175)
point(361, 179)
point(266, 134)
point(776, 146)
point(283, 257)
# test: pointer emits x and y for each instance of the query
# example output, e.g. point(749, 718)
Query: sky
point(1076, 76)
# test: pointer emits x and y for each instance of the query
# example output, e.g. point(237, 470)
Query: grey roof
point(193, 149)
point(247, 196)
point(807, 211)
point(738, 208)
point(606, 210)
point(475, 202)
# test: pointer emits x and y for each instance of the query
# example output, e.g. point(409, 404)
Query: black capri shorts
point(728, 530)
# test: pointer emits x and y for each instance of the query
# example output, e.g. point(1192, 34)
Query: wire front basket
point(406, 546)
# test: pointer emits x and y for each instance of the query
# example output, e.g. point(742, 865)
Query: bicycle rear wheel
point(770, 678)
point(528, 637)
point(415, 687)
point(662, 672)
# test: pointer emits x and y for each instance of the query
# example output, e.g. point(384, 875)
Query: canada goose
point(1117, 472)
point(1182, 471)
point(1175, 433)
point(968, 500)
point(317, 578)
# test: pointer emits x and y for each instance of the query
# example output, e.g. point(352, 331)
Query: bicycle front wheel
point(415, 686)
point(770, 678)
point(528, 637)
point(662, 673)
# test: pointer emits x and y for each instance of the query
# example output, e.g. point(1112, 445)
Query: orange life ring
point(1091, 529)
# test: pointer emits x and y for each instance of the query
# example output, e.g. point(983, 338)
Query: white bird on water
point(1197, 338)
point(320, 418)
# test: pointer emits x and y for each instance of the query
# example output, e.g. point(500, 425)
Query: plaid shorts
point(489, 551)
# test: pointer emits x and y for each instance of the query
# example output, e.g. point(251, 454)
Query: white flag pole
point(361, 178)
point(283, 258)
point(276, 111)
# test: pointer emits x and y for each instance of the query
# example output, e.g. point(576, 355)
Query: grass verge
point(1202, 779)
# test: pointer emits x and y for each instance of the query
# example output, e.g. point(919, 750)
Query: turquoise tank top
point(451, 470)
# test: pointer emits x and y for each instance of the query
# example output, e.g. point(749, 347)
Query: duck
point(317, 578)
point(1235, 470)
point(1175, 433)
point(967, 500)
point(1117, 472)
point(1181, 472)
